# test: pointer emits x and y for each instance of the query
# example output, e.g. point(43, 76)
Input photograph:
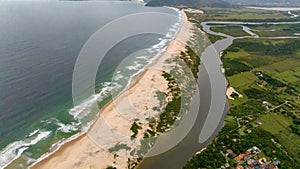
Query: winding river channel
point(213, 106)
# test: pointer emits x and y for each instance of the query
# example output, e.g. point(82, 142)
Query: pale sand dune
point(190, 10)
point(231, 90)
point(113, 124)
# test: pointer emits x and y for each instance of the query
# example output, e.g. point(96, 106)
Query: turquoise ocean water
point(39, 45)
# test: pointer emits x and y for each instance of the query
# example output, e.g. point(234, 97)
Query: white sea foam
point(67, 128)
point(33, 133)
point(144, 57)
point(82, 110)
point(136, 66)
point(15, 149)
point(118, 76)
point(161, 44)
point(107, 87)
point(169, 35)
point(161, 47)
point(57, 146)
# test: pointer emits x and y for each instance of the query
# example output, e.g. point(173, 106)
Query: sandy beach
point(112, 127)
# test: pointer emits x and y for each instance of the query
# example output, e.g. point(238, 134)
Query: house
point(262, 160)
point(258, 123)
point(250, 117)
point(250, 161)
point(255, 163)
point(254, 150)
point(248, 167)
point(227, 165)
point(229, 151)
point(265, 103)
point(240, 157)
point(276, 162)
point(239, 167)
point(270, 166)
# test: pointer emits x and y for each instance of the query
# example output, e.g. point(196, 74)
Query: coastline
point(64, 157)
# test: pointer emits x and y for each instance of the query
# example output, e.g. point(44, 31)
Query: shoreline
point(134, 82)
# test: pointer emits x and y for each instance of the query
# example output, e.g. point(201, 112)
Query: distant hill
point(189, 3)
point(222, 3)
point(265, 2)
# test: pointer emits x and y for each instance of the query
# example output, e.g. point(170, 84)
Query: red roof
point(239, 167)
point(240, 157)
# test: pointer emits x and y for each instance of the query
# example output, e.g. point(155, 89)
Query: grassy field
point(283, 65)
point(266, 73)
point(230, 121)
point(233, 30)
point(214, 38)
point(272, 80)
point(268, 30)
point(278, 125)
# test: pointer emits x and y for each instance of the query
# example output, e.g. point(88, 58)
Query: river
point(212, 110)
point(212, 86)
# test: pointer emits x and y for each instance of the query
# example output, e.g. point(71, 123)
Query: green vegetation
point(191, 16)
point(214, 38)
point(210, 158)
point(189, 3)
point(267, 30)
point(119, 147)
point(170, 103)
point(279, 126)
point(234, 66)
point(110, 167)
point(134, 128)
point(270, 3)
point(172, 110)
point(266, 73)
point(279, 94)
point(192, 60)
point(249, 107)
point(278, 49)
point(231, 30)
point(241, 14)
point(222, 3)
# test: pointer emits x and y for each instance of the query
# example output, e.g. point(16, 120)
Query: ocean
point(39, 45)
